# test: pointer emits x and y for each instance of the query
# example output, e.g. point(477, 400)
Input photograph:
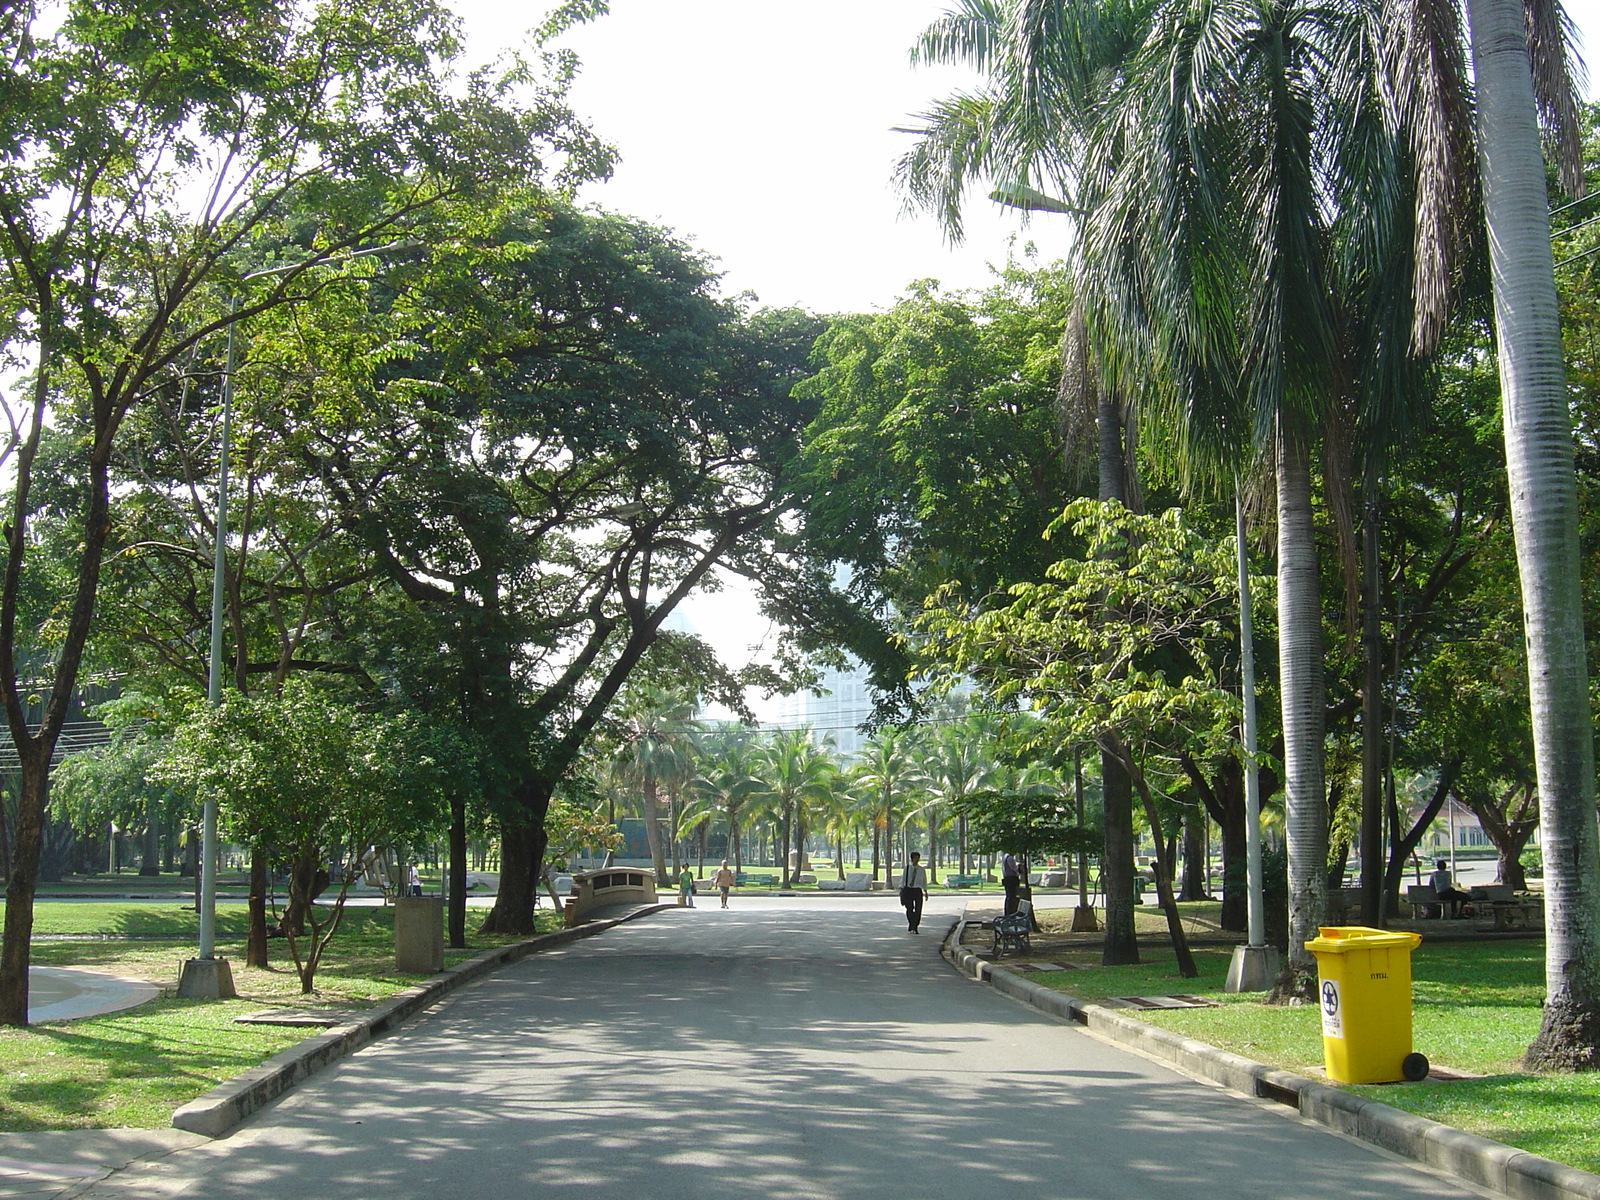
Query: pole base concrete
point(206, 979)
point(1253, 969)
point(1084, 920)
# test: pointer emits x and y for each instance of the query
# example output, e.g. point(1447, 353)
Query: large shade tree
point(144, 147)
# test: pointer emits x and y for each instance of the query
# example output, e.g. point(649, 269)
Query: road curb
point(1478, 1160)
point(226, 1105)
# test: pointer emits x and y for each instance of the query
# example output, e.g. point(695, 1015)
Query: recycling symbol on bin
point(1330, 999)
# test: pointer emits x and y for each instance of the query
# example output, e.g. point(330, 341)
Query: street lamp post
point(1254, 966)
point(207, 977)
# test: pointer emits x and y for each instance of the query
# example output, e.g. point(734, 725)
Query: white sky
point(762, 132)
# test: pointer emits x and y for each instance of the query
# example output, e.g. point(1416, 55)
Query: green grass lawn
point(135, 1067)
point(1475, 1008)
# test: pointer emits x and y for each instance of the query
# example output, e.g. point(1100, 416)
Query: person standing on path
point(686, 888)
point(723, 880)
point(913, 890)
point(1011, 880)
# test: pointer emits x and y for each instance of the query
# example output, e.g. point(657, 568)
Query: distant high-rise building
point(838, 713)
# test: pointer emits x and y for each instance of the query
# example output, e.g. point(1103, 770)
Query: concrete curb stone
point(1478, 1160)
point(230, 1102)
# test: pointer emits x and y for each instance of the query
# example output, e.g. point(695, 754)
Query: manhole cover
point(294, 1016)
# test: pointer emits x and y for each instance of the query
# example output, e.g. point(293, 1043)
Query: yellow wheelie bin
point(1364, 988)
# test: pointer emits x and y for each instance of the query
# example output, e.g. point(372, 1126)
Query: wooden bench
point(758, 880)
point(1012, 932)
point(962, 881)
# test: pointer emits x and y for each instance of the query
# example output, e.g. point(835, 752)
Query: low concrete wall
point(607, 888)
point(1478, 1160)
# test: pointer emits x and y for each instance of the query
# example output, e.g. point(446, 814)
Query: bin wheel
point(1414, 1067)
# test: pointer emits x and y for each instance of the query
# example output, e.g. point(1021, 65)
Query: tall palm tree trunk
point(1538, 437)
point(652, 828)
point(1304, 713)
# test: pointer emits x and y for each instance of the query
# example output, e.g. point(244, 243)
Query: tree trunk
point(1121, 944)
point(1194, 855)
point(1304, 715)
point(521, 848)
point(785, 825)
point(1402, 842)
point(1544, 515)
point(1235, 884)
point(1509, 834)
point(18, 928)
point(456, 917)
point(1163, 873)
point(307, 879)
point(255, 951)
point(652, 829)
point(672, 831)
point(150, 861)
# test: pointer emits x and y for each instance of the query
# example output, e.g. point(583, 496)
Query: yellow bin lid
point(1341, 939)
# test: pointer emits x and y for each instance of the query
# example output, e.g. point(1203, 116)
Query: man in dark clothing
point(913, 890)
point(1011, 880)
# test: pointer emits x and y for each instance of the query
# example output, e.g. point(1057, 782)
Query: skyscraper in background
point(845, 703)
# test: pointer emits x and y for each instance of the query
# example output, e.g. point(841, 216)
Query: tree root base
point(1569, 1038)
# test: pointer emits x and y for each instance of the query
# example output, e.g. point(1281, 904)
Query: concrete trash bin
point(419, 934)
point(1364, 989)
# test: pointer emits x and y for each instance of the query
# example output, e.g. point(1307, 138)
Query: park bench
point(1507, 913)
point(1012, 932)
point(1508, 908)
point(962, 881)
point(761, 880)
point(1424, 901)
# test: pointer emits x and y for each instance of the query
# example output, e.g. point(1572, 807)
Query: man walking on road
point(723, 880)
point(913, 890)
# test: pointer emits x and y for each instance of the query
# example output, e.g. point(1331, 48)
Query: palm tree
point(885, 773)
point(796, 773)
point(726, 780)
point(657, 749)
point(959, 764)
point(1049, 68)
point(1539, 461)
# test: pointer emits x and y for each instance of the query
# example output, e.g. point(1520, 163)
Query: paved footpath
point(762, 1052)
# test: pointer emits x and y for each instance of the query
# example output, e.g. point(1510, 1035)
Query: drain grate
point(294, 1017)
point(1177, 1001)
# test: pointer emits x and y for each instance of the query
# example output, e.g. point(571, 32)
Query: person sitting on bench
point(1444, 887)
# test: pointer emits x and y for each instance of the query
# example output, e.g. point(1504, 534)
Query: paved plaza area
point(781, 1050)
point(67, 993)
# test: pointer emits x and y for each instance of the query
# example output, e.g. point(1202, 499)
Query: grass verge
point(1475, 1008)
point(134, 1068)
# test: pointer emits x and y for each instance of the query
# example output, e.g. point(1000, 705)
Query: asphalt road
point(771, 1052)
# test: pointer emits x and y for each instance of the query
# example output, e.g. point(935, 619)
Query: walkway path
point(67, 993)
point(775, 1053)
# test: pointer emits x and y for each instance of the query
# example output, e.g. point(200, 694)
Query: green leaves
point(297, 771)
point(1128, 636)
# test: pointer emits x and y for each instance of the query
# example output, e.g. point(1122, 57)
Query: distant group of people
point(723, 881)
point(913, 886)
